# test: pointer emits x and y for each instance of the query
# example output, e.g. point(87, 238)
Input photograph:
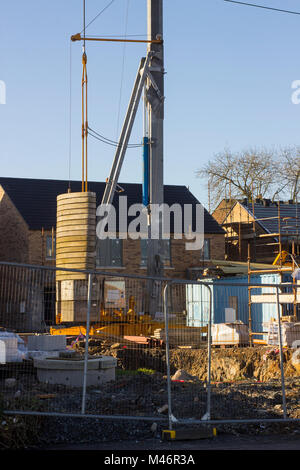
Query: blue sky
point(228, 84)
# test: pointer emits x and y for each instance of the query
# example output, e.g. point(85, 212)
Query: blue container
point(233, 296)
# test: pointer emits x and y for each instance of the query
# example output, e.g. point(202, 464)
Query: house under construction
point(265, 228)
point(263, 238)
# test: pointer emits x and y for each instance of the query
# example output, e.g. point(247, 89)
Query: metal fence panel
point(104, 320)
point(238, 391)
point(169, 366)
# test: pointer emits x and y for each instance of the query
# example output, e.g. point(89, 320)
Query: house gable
point(14, 231)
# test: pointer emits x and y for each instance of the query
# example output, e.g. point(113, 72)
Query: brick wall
point(181, 259)
point(37, 248)
point(19, 244)
point(14, 232)
point(221, 211)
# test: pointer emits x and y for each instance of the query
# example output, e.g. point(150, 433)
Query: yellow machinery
point(116, 323)
point(285, 259)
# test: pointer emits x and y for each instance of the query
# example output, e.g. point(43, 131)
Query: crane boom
point(142, 74)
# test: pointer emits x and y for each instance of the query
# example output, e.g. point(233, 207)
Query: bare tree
point(250, 173)
point(290, 171)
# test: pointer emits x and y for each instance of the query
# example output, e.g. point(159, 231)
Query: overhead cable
point(100, 13)
point(107, 141)
point(263, 7)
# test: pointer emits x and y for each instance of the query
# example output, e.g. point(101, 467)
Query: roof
point(289, 217)
point(241, 267)
point(222, 210)
point(35, 199)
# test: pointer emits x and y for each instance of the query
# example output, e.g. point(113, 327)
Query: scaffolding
point(281, 239)
point(280, 245)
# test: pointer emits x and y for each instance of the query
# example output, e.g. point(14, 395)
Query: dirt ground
point(245, 385)
point(233, 363)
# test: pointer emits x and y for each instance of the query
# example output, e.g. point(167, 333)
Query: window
point(205, 252)
point(165, 254)
point(50, 247)
point(109, 253)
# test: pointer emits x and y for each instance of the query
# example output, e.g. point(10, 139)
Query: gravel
point(143, 393)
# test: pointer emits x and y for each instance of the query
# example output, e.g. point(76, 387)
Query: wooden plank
point(79, 217)
point(271, 298)
point(64, 276)
point(75, 206)
point(76, 214)
point(81, 196)
point(74, 239)
point(76, 265)
point(85, 228)
point(79, 249)
point(83, 224)
point(71, 258)
point(72, 232)
point(77, 244)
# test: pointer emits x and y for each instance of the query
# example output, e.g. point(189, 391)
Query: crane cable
point(122, 70)
point(70, 115)
point(84, 103)
point(84, 110)
point(84, 122)
point(263, 7)
point(97, 16)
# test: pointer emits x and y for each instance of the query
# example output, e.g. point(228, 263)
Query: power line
point(97, 16)
point(107, 141)
point(263, 7)
point(131, 146)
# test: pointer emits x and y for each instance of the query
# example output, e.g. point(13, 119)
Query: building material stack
point(189, 336)
point(75, 249)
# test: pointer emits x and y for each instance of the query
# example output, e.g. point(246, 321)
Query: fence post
point(209, 356)
point(168, 355)
point(281, 355)
point(86, 353)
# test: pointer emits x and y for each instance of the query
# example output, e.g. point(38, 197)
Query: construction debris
point(189, 336)
point(230, 334)
point(163, 409)
point(182, 376)
point(296, 360)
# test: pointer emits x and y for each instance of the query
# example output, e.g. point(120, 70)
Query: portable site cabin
point(230, 299)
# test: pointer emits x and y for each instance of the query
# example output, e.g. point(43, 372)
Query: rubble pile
point(259, 363)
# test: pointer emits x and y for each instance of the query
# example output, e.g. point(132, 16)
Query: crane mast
point(150, 77)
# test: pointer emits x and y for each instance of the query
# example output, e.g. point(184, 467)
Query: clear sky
point(228, 84)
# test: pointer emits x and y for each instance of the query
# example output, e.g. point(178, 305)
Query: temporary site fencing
point(87, 343)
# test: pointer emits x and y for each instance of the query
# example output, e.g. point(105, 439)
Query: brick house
point(27, 235)
point(28, 220)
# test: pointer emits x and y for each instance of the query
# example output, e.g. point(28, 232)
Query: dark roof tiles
point(289, 217)
point(36, 199)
